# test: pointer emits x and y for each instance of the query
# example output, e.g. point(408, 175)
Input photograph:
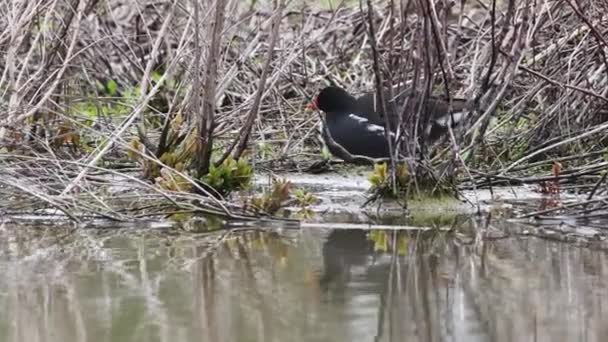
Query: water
point(485, 282)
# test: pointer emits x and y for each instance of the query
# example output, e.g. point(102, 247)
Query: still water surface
point(297, 285)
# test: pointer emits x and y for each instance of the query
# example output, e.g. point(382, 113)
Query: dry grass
point(80, 79)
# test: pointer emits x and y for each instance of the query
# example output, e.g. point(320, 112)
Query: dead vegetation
point(92, 92)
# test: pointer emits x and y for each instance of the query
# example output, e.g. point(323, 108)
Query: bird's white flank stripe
point(458, 116)
point(358, 118)
point(370, 127)
point(375, 128)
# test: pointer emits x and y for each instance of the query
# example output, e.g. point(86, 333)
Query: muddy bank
point(342, 197)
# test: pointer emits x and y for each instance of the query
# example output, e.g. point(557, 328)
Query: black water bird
point(357, 125)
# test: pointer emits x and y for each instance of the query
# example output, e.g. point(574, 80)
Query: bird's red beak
point(312, 105)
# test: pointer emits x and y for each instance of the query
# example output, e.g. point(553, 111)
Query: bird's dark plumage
point(347, 127)
point(438, 111)
point(356, 123)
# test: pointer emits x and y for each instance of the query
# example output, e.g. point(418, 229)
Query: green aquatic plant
point(325, 154)
point(177, 151)
point(281, 194)
point(229, 176)
point(425, 185)
point(172, 181)
point(272, 201)
point(381, 184)
point(304, 200)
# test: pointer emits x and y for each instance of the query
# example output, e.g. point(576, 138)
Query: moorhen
point(438, 110)
point(351, 121)
point(349, 126)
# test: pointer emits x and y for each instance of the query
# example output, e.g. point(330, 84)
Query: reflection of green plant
point(196, 223)
point(390, 241)
point(427, 212)
point(383, 241)
point(229, 176)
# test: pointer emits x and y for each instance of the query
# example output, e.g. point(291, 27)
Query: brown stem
point(253, 113)
point(205, 120)
point(379, 91)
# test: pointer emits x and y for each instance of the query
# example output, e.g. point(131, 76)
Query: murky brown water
point(298, 285)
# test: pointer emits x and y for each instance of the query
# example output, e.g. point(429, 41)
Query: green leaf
point(112, 87)
point(156, 76)
point(325, 154)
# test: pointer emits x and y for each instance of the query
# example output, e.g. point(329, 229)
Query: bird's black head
point(333, 99)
